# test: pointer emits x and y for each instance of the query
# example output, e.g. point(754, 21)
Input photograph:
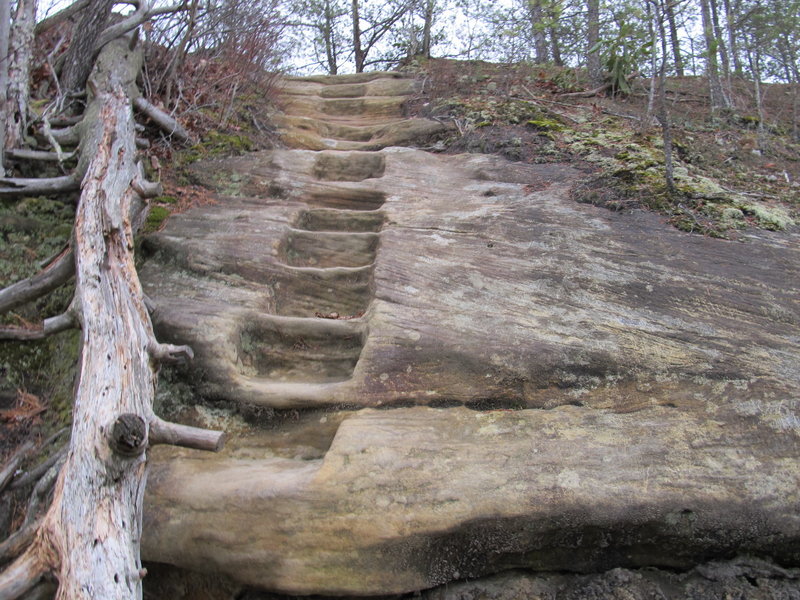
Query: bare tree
point(677, 57)
point(719, 100)
point(371, 26)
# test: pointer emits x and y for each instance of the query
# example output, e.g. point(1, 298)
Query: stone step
point(299, 350)
point(328, 249)
point(349, 166)
point(308, 291)
point(326, 219)
point(389, 107)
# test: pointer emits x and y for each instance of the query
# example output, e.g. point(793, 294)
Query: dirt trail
point(570, 389)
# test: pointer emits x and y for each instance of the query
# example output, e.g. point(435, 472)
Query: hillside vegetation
point(726, 178)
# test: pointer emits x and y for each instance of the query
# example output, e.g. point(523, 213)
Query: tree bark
point(733, 44)
point(754, 57)
point(592, 38)
point(329, 39)
point(162, 119)
point(555, 47)
point(723, 50)
point(67, 13)
point(663, 110)
point(430, 7)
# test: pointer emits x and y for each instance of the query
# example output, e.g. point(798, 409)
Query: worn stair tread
point(413, 498)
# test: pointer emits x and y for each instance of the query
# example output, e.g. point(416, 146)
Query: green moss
point(155, 219)
point(165, 200)
point(216, 144)
point(545, 124)
point(768, 217)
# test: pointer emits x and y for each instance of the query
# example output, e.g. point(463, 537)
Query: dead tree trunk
point(89, 538)
point(20, 51)
point(5, 17)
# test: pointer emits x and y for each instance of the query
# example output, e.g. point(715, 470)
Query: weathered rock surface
point(560, 387)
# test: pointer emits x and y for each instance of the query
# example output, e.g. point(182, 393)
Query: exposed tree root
point(36, 473)
point(16, 543)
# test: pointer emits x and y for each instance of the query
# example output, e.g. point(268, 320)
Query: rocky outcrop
point(491, 376)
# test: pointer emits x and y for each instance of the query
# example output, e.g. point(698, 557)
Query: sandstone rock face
point(483, 375)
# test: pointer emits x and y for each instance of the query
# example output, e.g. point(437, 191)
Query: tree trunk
point(555, 48)
point(358, 53)
point(592, 38)
point(427, 28)
point(795, 81)
point(90, 535)
point(719, 100)
point(20, 52)
point(663, 110)
point(5, 23)
point(328, 30)
point(677, 57)
point(655, 77)
point(754, 58)
point(733, 44)
point(723, 50)
point(538, 31)
point(79, 57)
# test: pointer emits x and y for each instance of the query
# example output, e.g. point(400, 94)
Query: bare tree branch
point(21, 576)
point(13, 463)
point(38, 155)
point(61, 16)
point(55, 275)
point(163, 432)
point(162, 119)
point(144, 12)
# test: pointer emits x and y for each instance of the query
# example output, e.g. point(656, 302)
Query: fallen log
point(89, 537)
